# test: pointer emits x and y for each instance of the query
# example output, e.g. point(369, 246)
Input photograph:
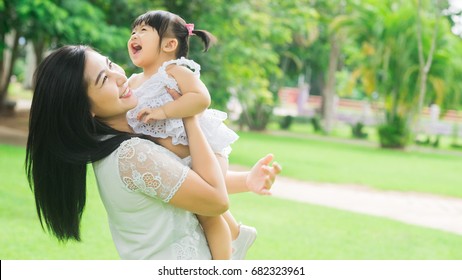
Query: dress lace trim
point(150, 169)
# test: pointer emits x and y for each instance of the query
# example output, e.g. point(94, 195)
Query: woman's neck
point(119, 123)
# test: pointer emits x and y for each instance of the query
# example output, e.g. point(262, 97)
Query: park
point(353, 97)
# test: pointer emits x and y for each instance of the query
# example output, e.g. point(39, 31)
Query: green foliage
point(316, 123)
point(394, 134)
point(285, 122)
point(257, 105)
point(39, 19)
point(357, 130)
point(268, 44)
point(385, 60)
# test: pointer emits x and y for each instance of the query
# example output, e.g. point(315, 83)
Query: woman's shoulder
point(129, 146)
point(136, 142)
point(136, 145)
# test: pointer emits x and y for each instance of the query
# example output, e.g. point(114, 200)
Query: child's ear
point(170, 45)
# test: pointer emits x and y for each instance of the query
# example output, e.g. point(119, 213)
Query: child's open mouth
point(135, 48)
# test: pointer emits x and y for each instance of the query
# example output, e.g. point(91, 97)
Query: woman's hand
point(173, 93)
point(262, 175)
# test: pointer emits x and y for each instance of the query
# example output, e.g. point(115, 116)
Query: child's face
point(143, 45)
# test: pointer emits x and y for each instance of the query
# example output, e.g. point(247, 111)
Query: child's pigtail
point(207, 38)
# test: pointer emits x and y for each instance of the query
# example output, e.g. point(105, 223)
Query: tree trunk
point(39, 47)
point(34, 55)
point(328, 100)
point(424, 64)
point(9, 56)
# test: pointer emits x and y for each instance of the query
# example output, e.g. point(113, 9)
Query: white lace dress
point(153, 94)
point(135, 183)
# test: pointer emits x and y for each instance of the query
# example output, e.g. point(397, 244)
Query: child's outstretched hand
point(262, 175)
point(147, 115)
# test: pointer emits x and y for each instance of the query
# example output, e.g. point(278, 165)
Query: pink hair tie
point(190, 27)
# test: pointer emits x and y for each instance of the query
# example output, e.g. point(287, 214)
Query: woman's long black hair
point(172, 25)
point(63, 139)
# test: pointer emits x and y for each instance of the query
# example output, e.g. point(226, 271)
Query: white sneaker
point(243, 242)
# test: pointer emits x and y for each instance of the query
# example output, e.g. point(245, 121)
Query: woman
point(150, 195)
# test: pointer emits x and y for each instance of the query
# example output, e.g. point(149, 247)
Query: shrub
point(285, 122)
point(394, 134)
point(357, 131)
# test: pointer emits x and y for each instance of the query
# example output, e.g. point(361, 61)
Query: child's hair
point(169, 24)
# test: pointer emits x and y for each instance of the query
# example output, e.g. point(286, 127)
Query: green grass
point(321, 160)
point(23, 238)
point(287, 229)
point(293, 230)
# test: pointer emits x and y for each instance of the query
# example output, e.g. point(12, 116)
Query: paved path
point(12, 136)
point(431, 211)
point(443, 213)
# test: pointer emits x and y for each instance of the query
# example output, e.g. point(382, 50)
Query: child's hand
point(262, 175)
point(147, 115)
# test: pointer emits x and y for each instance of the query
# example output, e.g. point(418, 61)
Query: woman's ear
point(169, 44)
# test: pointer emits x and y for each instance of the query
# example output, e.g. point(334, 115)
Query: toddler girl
point(159, 44)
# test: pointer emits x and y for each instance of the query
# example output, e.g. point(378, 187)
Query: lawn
point(323, 160)
point(287, 230)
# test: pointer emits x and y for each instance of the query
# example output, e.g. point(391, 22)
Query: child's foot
point(243, 242)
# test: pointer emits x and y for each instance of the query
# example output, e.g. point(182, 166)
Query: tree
point(8, 45)
point(102, 24)
point(425, 63)
point(389, 61)
point(247, 57)
point(329, 94)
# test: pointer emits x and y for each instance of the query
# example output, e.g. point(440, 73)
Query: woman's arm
point(203, 191)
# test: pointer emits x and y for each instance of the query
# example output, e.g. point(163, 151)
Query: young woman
point(78, 116)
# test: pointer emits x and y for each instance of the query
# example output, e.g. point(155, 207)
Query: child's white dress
point(153, 94)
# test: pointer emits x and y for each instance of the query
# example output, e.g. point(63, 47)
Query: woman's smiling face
point(108, 91)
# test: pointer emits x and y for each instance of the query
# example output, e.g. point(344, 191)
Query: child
point(159, 44)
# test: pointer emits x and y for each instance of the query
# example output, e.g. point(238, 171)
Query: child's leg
point(221, 230)
point(218, 236)
point(242, 236)
point(232, 223)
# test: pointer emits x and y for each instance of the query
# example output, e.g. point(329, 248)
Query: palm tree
point(388, 61)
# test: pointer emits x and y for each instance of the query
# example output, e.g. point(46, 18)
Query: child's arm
point(194, 100)
point(258, 180)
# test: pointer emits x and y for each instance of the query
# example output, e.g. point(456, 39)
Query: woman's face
point(110, 96)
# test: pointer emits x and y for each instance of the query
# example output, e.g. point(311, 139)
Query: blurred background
point(356, 93)
point(393, 65)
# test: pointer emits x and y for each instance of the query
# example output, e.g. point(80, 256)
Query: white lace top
point(136, 182)
point(153, 94)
